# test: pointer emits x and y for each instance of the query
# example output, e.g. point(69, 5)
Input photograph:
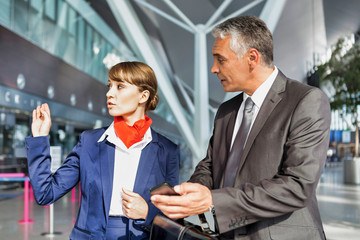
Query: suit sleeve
point(203, 173)
point(49, 187)
point(294, 185)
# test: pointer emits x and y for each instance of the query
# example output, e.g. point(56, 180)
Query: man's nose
point(214, 68)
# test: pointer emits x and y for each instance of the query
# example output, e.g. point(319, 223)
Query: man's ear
point(144, 96)
point(253, 58)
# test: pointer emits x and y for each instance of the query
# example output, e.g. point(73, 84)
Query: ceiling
point(305, 27)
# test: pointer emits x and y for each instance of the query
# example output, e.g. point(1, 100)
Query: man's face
point(232, 71)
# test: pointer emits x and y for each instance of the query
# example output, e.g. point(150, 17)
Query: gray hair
point(247, 32)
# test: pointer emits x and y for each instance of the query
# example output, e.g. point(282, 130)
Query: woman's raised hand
point(41, 122)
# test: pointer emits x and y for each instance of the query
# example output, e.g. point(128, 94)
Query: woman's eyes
point(119, 86)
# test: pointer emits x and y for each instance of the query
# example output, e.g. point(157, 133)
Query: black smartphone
point(163, 189)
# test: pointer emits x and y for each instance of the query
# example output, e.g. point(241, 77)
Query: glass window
point(62, 12)
point(88, 48)
point(5, 10)
point(20, 17)
point(50, 9)
point(36, 4)
point(72, 21)
point(81, 33)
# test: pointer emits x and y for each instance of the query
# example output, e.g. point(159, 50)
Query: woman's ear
point(144, 96)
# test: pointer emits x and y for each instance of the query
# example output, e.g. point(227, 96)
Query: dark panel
point(42, 69)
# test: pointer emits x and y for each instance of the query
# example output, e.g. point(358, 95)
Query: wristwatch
point(212, 209)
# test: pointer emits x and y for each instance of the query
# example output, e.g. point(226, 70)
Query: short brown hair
point(140, 75)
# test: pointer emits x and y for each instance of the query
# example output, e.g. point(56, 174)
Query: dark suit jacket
point(274, 191)
point(92, 164)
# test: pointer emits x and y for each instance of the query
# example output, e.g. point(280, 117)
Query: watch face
point(212, 209)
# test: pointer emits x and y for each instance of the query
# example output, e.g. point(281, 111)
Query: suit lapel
point(232, 120)
point(147, 160)
point(106, 156)
point(222, 156)
point(271, 100)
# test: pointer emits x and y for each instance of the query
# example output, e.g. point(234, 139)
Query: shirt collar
point(110, 135)
point(107, 132)
point(261, 92)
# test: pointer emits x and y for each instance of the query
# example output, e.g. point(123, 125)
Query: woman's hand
point(134, 206)
point(41, 121)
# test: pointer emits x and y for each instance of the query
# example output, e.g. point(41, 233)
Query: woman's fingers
point(46, 109)
point(41, 120)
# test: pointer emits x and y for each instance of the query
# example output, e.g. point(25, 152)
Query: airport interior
point(59, 51)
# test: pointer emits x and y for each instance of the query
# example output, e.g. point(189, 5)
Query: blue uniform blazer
point(92, 163)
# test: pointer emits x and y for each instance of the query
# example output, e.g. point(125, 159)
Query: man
point(270, 191)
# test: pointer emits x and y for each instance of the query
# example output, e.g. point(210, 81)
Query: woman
point(116, 166)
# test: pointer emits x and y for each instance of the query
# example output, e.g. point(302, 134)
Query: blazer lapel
point(106, 156)
point(271, 100)
point(147, 160)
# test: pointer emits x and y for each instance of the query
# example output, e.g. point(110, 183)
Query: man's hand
point(194, 199)
point(41, 121)
point(134, 206)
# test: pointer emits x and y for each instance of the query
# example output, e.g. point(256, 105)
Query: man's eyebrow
point(217, 55)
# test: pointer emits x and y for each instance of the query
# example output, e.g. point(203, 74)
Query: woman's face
point(125, 99)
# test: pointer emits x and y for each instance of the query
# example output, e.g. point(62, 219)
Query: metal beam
point(165, 15)
point(89, 14)
point(134, 31)
point(271, 13)
point(188, 101)
point(217, 13)
point(236, 13)
point(201, 97)
point(173, 7)
point(201, 85)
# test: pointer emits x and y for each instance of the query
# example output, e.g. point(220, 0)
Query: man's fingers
point(187, 187)
point(169, 200)
point(173, 211)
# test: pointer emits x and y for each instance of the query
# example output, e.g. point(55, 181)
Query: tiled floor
point(339, 206)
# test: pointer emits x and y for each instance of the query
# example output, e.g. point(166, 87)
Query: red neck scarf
point(131, 134)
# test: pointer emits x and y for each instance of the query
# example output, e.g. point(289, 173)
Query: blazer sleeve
point(294, 185)
point(172, 155)
point(49, 187)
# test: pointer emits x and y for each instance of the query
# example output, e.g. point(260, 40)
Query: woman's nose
point(109, 93)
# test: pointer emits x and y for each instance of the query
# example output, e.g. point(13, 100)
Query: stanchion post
point(51, 232)
point(73, 195)
point(26, 203)
point(79, 193)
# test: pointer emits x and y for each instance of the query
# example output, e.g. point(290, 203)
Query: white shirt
point(258, 99)
point(125, 166)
